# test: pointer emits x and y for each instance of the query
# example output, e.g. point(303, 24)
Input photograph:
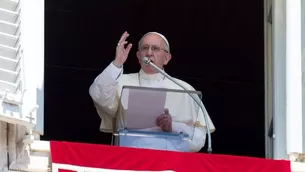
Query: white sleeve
point(103, 90)
point(198, 135)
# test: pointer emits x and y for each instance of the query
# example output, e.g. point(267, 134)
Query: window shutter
point(22, 63)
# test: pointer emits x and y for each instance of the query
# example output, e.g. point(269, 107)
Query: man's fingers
point(160, 119)
point(128, 48)
point(164, 120)
point(165, 125)
point(166, 111)
point(121, 45)
point(124, 36)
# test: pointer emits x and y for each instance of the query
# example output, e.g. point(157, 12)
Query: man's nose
point(149, 53)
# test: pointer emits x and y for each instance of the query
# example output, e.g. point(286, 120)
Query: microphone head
point(146, 60)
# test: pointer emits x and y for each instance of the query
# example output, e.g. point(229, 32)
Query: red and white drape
point(67, 156)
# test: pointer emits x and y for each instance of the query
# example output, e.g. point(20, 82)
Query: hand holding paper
point(144, 107)
point(164, 121)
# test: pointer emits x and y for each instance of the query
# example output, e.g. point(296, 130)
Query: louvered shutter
point(22, 62)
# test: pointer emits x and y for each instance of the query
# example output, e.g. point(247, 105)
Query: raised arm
point(103, 90)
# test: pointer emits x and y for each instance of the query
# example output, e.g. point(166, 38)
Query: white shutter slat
point(8, 28)
point(8, 16)
point(8, 40)
point(7, 86)
point(9, 4)
point(8, 75)
point(8, 63)
point(8, 51)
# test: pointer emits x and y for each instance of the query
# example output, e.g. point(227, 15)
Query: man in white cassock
point(179, 113)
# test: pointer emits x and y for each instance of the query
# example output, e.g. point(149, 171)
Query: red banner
point(99, 158)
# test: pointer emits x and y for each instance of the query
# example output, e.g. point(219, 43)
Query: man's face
point(153, 47)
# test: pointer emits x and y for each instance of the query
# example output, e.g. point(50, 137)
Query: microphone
point(147, 61)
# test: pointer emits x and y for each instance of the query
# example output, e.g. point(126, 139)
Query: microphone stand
point(147, 61)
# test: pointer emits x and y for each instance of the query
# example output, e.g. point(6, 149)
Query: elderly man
point(106, 90)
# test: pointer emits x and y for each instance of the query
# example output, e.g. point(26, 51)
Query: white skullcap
point(162, 36)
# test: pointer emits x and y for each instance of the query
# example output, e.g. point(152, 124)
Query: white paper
point(144, 107)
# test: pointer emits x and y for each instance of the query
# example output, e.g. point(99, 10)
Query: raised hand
point(122, 52)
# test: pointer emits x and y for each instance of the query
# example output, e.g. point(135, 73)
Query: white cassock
point(106, 90)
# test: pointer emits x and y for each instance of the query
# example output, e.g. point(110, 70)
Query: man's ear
point(167, 58)
point(139, 56)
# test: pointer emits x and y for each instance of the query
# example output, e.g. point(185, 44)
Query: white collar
point(156, 76)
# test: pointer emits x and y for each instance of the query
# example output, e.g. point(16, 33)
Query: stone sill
point(297, 167)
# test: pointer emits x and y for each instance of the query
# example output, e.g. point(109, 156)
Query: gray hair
point(162, 36)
